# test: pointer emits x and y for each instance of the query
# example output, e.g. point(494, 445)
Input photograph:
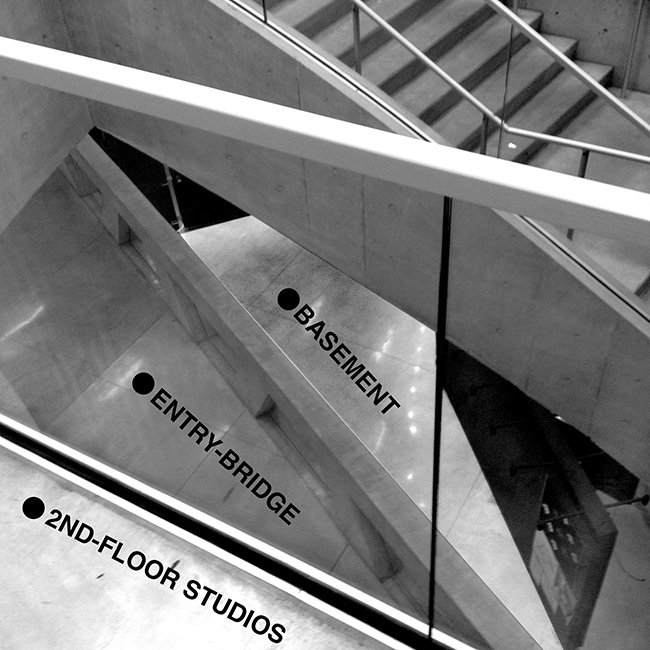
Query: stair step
point(338, 40)
point(324, 16)
point(549, 111)
point(469, 62)
point(294, 12)
point(436, 31)
point(530, 70)
point(379, 36)
point(270, 4)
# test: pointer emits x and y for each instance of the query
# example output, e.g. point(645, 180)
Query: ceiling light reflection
point(25, 322)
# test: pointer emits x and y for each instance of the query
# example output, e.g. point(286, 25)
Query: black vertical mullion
point(441, 374)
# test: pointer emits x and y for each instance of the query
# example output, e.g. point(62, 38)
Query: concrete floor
point(255, 263)
point(79, 320)
point(61, 593)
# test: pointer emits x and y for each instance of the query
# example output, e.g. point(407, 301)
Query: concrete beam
point(38, 126)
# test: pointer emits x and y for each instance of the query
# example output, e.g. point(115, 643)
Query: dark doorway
point(198, 207)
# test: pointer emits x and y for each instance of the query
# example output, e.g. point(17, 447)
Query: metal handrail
point(489, 115)
point(427, 61)
point(569, 65)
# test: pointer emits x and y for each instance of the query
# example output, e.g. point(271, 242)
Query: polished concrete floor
point(79, 320)
point(59, 593)
point(256, 263)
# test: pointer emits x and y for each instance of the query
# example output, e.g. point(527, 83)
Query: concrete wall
point(604, 29)
point(513, 304)
point(38, 127)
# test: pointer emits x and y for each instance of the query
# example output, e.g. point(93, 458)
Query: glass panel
point(274, 389)
point(373, 365)
point(552, 486)
point(529, 458)
point(261, 384)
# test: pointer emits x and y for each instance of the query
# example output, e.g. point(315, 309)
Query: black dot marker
point(33, 508)
point(143, 383)
point(288, 299)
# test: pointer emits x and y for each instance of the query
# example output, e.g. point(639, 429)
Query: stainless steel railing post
point(172, 193)
point(485, 126)
point(584, 159)
point(582, 172)
point(356, 32)
point(630, 53)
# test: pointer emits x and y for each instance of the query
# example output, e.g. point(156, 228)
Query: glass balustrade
point(500, 423)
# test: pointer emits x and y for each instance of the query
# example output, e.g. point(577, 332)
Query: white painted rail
point(582, 204)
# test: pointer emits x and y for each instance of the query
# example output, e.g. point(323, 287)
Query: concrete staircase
point(470, 42)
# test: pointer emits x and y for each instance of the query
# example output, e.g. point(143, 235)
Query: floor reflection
point(393, 346)
point(79, 319)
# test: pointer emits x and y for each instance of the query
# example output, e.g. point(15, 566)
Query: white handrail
point(444, 171)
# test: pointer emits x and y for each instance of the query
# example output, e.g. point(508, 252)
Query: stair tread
point(444, 19)
point(526, 66)
point(293, 12)
point(601, 123)
point(540, 114)
point(270, 4)
point(321, 17)
point(338, 37)
point(467, 58)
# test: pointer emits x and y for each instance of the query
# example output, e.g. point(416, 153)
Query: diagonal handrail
point(569, 65)
point(541, 194)
point(427, 61)
point(490, 116)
